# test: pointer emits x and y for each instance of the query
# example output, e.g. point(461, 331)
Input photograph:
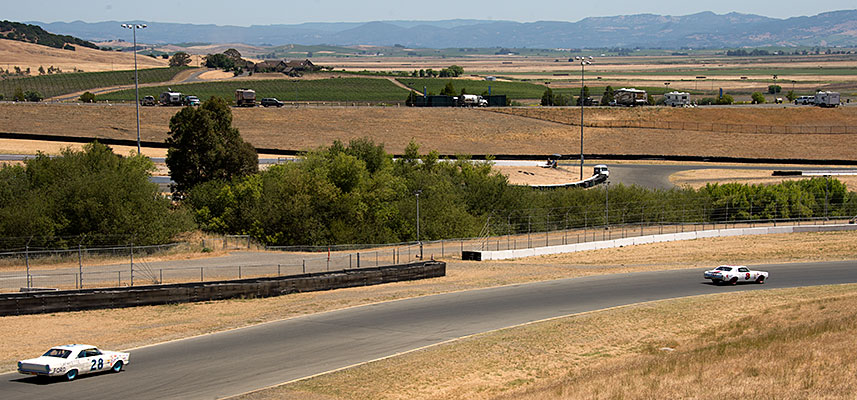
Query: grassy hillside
point(59, 84)
point(334, 89)
point(35, 34)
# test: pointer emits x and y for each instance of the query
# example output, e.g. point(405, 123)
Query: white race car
point(73, 360)
point(733, 274)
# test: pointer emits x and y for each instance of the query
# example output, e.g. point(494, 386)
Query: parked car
point(733, 274)
point(148, 101)
point(803, 100)
point(73, 360)
point(271, 101)
point(191, 101)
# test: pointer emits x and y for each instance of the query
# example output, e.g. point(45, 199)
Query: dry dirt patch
point(698, 178)
point(146, 325)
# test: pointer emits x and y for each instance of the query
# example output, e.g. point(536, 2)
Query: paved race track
point(236, 361)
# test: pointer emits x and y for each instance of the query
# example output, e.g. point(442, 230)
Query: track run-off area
point(241, 360)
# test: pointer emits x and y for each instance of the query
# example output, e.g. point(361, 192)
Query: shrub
point(758, 98)
point(32, 95)
point(87, 97)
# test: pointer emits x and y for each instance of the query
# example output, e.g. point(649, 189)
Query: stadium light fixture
point(134, 28)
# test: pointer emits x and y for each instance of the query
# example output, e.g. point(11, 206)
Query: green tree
point(774, 89)
point(220, 61)
point(456, 70)
point(204, 146)
point(585, 95)
point(791, 95)
point(607, 97)
point(547, 97)
point(758, 98)
point(448, 90)
point(34, 96)
point(18, 95)
point(87, 97)
point(92, 192)
point(180, 59)
point(725, 100)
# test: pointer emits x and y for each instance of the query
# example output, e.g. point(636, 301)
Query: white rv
point(629, 97)
point(827, 99)
point(677, 99)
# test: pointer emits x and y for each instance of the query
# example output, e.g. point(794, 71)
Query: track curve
point(237, 361)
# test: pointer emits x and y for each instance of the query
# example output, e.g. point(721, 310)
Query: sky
point(265, 12)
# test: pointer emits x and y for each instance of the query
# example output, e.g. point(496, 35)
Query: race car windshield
point(724, 269)
point(59, 353)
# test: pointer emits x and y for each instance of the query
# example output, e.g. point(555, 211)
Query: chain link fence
point(32, 268)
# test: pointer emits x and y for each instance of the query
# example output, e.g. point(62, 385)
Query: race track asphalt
point(232, 362)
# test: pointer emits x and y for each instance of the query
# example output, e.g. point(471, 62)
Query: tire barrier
point(119, 297)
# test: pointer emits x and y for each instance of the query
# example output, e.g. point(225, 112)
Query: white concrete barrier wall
point(667, 237)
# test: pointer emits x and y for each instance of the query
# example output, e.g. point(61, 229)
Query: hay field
point(467, 131)
point(28, 55)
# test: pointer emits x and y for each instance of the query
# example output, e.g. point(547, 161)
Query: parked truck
point(472, 100)
point(629, 97)
point(245, 98)
point(827, 99)
point(170, 98)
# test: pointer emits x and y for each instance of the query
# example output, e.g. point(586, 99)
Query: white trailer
point(827, 99)
point(629, 97)
point(677, 99)
point(170, 98)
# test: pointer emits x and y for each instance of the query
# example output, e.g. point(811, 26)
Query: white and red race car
point(73, 360)
point(733, 274)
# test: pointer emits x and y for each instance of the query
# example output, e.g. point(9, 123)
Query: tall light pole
point(583, 63)
point(417, 193)
point(134, 27)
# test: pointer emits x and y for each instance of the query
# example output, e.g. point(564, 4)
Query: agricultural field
point(514, 90)
point(65, 83)
point(512, 130)
point(333, 90)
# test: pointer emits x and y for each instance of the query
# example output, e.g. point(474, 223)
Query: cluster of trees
point(29, 95)
point(722, 100)
point(757, 98)
point(229, 60)
point(353, 193)
point(180, 59)
point(774, 89)
point(452, 71)
point(86, 194)
point(751, 53)
point(551, 99)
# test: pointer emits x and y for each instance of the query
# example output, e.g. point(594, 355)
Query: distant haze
point(699, 30)
point(266, 12)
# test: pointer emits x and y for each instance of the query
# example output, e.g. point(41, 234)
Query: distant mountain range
point(701, 30)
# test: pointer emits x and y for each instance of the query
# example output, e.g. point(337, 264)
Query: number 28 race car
point(73, 360)
point(733, 274)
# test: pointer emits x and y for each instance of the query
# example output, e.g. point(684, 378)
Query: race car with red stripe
point(733, 274)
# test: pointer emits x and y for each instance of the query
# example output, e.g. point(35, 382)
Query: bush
point(774, 89)
point(87, 97)
point(32, 95)
point(725, 100)
point(758, 98)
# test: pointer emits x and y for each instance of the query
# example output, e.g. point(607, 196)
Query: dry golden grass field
point(469, 131)
point(33, 56)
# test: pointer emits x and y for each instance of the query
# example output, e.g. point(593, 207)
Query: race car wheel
point(71, 374)
point(760, 279)
point(117, 366)
point(733, 281)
